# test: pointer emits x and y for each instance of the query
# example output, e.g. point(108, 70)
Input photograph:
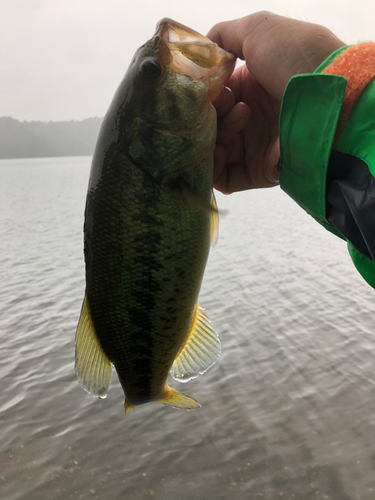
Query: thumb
point(275, 48)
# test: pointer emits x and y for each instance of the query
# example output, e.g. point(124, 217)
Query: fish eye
point(151, 69)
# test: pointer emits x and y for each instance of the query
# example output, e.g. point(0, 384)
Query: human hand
point(274, 48)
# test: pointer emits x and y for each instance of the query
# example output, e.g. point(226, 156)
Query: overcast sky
point(63, 59)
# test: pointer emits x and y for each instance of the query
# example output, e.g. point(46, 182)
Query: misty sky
point(63, 59)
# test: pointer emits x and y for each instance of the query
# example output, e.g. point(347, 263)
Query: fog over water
point(63, 59)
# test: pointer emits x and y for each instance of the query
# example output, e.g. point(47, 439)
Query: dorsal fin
point(200, 351)
point(93, 367)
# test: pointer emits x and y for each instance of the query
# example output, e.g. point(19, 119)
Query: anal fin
point(200, 352)
point(93, 367)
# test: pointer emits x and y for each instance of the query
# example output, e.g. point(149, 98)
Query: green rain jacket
point(327, 161)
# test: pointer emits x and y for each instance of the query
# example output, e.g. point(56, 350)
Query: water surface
point(287, 412)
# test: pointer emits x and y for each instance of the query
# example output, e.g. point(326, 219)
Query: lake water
point(288, 411)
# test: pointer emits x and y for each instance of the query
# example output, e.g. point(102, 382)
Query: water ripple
point(289, 407)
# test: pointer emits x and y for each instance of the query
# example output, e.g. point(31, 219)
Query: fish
point(150, 218)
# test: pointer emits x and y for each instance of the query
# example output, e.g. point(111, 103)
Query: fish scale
point(146, 253)
point(147, 229)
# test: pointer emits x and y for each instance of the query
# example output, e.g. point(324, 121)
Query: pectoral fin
point(180, 189)
point(200, 352)
point(214, 221)
point(93, 368)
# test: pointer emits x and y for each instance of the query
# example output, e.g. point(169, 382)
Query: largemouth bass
point(150, 215)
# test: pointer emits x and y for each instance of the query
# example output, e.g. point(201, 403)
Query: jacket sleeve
point(327, 146)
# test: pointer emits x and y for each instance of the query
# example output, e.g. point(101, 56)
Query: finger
point(233, 35)
point(232, 91)
point(236, 151)
point(237, 177)
point(235, 82)
point(258, 38)
point(224, 103)
point(225, 35)
point(232, 123)
point(232, 175)
point(271, 172)
point(233, 178)
point(272, 55)
point(220, 159)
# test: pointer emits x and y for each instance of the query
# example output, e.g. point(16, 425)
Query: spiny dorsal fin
point(200, 352)
point(93, 368)
point(214, 221)
point(178, 400)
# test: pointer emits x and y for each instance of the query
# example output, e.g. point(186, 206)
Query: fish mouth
point(194, 56)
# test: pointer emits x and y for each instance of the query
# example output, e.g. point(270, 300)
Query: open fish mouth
point(195, 56)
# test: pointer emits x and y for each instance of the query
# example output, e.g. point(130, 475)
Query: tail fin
point(128, 407)
point(178, 400)
point(171, 398)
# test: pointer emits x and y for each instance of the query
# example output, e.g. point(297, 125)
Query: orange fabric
point(357, 64)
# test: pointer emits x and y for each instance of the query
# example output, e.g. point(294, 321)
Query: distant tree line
point(40, 139)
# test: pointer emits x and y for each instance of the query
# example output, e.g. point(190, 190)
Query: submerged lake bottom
point(288, 411)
